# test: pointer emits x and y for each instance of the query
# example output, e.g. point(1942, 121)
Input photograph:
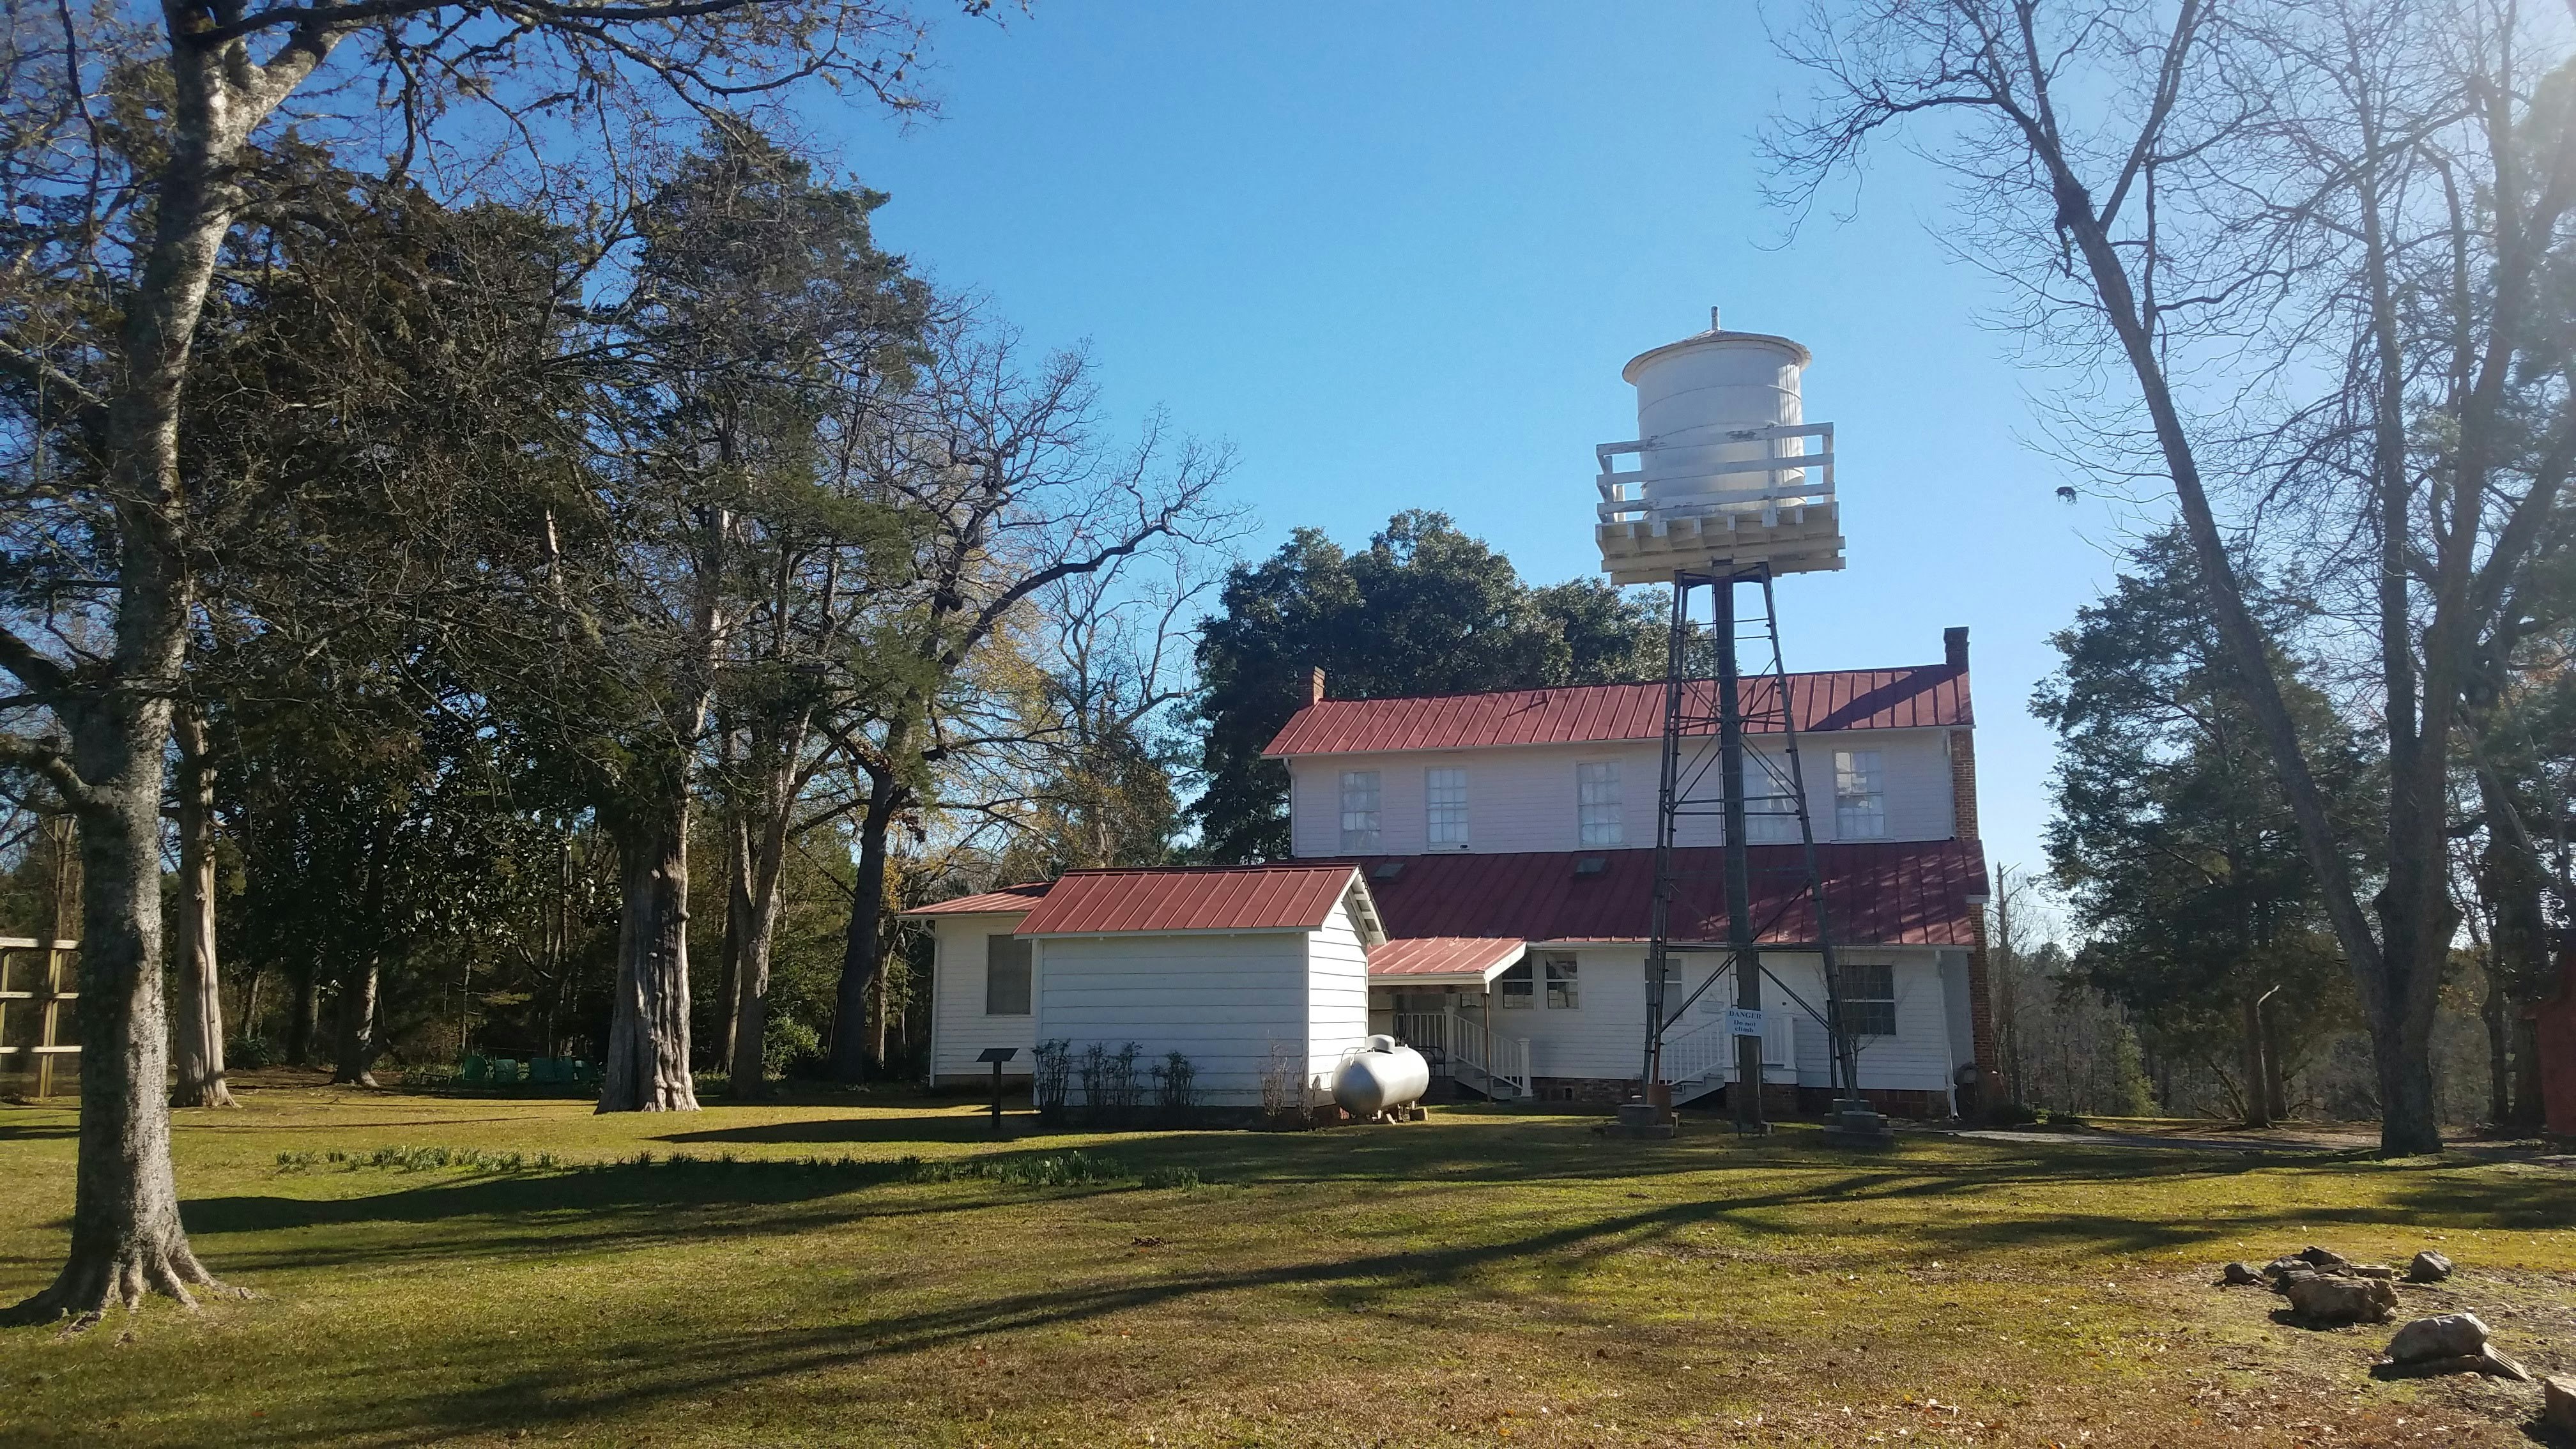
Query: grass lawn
point(1487, 1275)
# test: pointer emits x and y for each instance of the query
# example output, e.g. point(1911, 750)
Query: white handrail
point(1464, 1042)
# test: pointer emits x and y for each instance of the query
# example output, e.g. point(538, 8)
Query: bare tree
point(199, 1033)
point(138, 213)
point(1001, 466)
point(2222, 203)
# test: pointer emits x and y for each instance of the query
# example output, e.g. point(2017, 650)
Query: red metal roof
point(1932, 695)
point(1000, 898)
point(1463, 957)
point(1278, 897)
point(1879, 894)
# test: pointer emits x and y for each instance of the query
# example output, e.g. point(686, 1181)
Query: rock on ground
point(2238, 1275)
point(2446, 1335)
point(2488, 1362)
point(2428, 1267)
point(2328, 1302)
point(2558, 1404)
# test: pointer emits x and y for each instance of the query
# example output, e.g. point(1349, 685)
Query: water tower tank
point(1725, 473)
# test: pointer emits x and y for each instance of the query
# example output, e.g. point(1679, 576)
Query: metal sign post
point(997, 1056)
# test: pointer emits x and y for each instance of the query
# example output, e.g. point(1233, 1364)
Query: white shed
point(982, 987)
point(1233, 967)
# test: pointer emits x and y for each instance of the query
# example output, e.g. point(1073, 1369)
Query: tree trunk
point(304, 1013)
point(862, 952)
point(2276, 1080)
point(2258, 1101)
point(198, 1034)
point(354, 1061)
point(737, 921)
point(126, 1239)
point(2492, 1011)
point(647, 1065)
point(762, 859)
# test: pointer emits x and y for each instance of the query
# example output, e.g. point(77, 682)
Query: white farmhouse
point(1488, 857)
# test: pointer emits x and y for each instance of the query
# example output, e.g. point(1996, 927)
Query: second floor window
point(1596, 803)
point(1444, 793)
point(1860, 795)
point(1359, 811)
point(1770, 807)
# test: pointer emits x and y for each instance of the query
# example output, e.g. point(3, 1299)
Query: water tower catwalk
point(1729, 487)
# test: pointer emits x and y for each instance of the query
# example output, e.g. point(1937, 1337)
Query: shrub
point(789, 1046)
point(1283, 1087)
point(1176, 1087)
point(1180, 1177)
point(1050, 1077)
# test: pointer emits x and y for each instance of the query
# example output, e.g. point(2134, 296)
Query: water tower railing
point(1814, 486)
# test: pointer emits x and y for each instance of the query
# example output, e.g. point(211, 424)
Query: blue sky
point(1398, 254)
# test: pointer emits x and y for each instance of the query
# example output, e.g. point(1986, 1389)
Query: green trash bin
point(541, 1071)
point(477, 1071)
point(505, 1072)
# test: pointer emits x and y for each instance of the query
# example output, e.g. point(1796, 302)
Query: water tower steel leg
point(1667, 799)
point(1739, 880)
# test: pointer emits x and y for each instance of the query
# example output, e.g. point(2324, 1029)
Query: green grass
point(466, 1271)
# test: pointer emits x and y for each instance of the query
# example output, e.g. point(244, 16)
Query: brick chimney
point(1954, 647)
point(1315, 687)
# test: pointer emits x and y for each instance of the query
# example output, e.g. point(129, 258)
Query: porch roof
point(1881, 893)
point(1444, 960)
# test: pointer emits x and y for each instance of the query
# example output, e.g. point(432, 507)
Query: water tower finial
point(1712, 320)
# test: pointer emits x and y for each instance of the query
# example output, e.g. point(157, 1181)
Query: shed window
point(1006, 976)
point(1514, 987)
point(1562, 993)
point(1596, 792)
point(1444, 794)
point(1359, 810)
point(1770, 806)
point(1869, 1000)
point(1860, 795)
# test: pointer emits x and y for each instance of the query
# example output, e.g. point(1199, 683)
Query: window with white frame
point(1869, 1000)
point(1513, 986)
point(1563, 993)
point(1006, 976)
point(1596, 803)
point(1444, 795)
point(1860, 795)
point(1359, 811)
point(1770, 807)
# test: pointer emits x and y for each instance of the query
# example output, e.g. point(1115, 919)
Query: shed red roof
point(1278, 897)
point(1932, 695)
point(998, 899)
point(1879, 894)
point(1462, 957)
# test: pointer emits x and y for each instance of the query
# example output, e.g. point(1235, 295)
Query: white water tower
point(1726, 474)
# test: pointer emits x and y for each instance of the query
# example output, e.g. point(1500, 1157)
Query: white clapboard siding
point(1337, 1015)
point(1221, 999)
point(1522, 797)
point(1604, 1037)
point(1917, 1058)
point(959, 1029)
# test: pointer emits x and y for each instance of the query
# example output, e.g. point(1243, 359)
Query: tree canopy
point(1424, 609)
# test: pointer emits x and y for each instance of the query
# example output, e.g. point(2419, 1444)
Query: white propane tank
point(1381, 1076)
